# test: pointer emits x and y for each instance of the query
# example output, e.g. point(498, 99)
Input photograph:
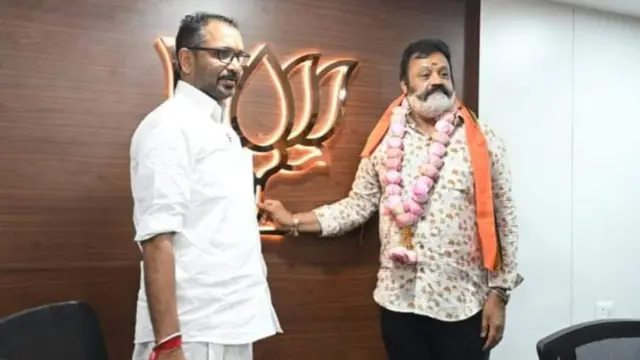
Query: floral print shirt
point(449, 281)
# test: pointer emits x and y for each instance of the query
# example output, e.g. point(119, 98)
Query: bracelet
point(169, 343)
point(501, 294)
point(294, 226)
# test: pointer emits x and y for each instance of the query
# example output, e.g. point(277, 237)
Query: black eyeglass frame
point(242, 56)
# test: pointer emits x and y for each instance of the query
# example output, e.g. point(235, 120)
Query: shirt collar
point(201, 101)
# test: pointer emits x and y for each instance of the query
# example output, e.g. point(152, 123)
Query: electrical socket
point(604, 309)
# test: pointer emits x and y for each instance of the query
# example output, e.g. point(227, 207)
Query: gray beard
point(435, 105)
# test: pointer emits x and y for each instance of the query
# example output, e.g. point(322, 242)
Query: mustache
point(435, 89)
point(231, 75)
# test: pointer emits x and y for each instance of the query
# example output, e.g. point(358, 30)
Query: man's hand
point(493, 321)
point(276, 212)
point(173, 354)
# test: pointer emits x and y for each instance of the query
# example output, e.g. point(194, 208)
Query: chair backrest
point(62, 331)
point(566, 344)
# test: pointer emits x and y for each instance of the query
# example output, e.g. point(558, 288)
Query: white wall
point(606, 191)
point(558, 82)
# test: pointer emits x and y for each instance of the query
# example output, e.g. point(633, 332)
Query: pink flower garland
point(406, 213)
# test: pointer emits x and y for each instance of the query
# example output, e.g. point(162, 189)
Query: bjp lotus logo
point(298, 136)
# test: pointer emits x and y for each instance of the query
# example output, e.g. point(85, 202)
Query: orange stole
point(481, 165)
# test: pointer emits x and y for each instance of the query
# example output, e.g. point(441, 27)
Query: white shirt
point(190, 175)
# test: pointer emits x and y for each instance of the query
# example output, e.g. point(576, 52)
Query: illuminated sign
point(297, 142)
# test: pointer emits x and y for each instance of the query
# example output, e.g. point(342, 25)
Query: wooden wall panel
point(76, 77)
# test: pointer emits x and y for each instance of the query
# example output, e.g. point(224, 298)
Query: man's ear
point(185, 61)
point(403, 87)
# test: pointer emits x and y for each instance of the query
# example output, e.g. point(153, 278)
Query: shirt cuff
point(155, 226)
point(328, 225)
point(507, 281)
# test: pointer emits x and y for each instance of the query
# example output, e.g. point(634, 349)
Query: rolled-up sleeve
point(160, 180)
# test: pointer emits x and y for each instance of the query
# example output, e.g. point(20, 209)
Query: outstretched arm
point(340, 217)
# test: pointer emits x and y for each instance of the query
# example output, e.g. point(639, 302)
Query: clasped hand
point(274, 211)
point(493, 314)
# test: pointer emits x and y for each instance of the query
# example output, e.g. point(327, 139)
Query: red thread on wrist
point(168, 344)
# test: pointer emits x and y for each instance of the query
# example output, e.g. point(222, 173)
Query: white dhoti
point(201, 351)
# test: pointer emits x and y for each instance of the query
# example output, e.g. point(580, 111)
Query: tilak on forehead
point(481, 165)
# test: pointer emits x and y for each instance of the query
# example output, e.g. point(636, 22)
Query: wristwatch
point(502, 293)
point(294, 226)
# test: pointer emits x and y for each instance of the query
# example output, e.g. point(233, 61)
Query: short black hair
point(421, 49)
point(190, 32)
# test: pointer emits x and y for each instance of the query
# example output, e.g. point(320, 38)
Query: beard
point(219, 86)
point(432, 103)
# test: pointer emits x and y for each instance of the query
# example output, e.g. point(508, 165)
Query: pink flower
point(396, 129)
point(394, 200)
point(403, 256)
point(429, 171)
point(393, 163)
point(425, 180)
point(436, 161)
point(421, 186)
point(441, 138)
point(412, 257)
point(420, 198)
point(395, 153)
point(444, 127)
point(394, 203)
point(393, 177)
point(406, 219)
point(437, 149)
point(393, 189)
point(414, 208)
point(448, 117)
point(394, 143)
point(398, 254)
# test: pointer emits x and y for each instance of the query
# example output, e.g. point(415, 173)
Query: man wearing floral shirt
point(448, 226)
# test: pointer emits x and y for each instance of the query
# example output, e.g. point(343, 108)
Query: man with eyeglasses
point(203, 291)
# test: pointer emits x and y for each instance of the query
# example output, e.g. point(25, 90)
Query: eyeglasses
point(225, 55)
